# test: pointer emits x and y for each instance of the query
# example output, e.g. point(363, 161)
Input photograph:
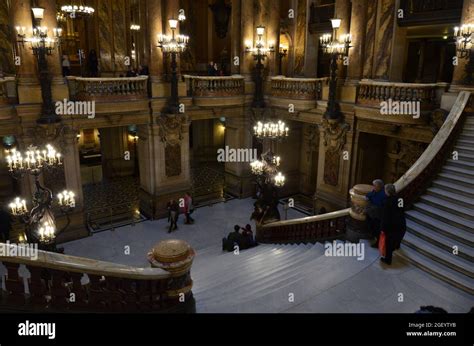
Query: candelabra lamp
point(336, 48)
point(173, 46)
point(270, 130)
point(42, 46)
point(266, 170)
point(283, 51)
point(259, 50)
point(39, 221)
point(464, 46)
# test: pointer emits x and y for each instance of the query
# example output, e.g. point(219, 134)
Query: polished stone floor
point(371, 288)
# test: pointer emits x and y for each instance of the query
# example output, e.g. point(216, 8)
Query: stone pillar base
point(239, 186)
point(154, 207)
point(356, 230)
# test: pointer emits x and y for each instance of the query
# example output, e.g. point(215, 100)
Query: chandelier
point(463, 37)
point(270, 130)
point(260, 49)
point(331, 44)
point(266, 169)
point(39, 221)
point(39, 39)
point(174, 43)
point(77, 9)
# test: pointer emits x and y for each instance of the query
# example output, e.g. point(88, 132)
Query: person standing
point(93, 62)
point(376, 200)
point(66, 65)
point(393, 223)
point(173, 214)
point(188, 208)
point(210, 69)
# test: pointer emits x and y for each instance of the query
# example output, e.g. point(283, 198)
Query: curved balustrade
point(108, 89)
point(297, 88)
point(409, 186)
point(58, 283)
point(202, 86)
point(373, 92)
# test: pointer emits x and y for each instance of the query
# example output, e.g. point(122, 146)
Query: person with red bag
point(393, 224)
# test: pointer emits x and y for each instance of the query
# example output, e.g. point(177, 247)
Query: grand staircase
point(440, 227)
point(261, 279)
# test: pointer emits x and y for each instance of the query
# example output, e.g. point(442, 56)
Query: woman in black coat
point(393, 222)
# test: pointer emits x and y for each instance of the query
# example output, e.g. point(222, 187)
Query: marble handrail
point(372, 92)
point(297, 88)
point(412, 181)
point(84, 265)
point(108, 89)
point(209, 86)
point(408, 186)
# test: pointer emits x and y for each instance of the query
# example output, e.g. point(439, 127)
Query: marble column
point(383, 39)
point(342, 11)
point(27, 70)
point(238, 178)
point(50, 21)
point(369, 44)
point(163, 151)
point(357, 31)
point(247, 32)
point(72, 166)
point(467, 17)
point(155, 27)
point(236, 37)
point(114, 144)
point(268, 15)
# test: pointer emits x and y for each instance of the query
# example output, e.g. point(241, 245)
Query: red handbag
point(382, 244)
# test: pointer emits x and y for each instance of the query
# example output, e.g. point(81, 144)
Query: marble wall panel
point(120, 34)
point(105, 36)
point(384, 40)
point(300, 38)
point(370, 38)
point(6, 47)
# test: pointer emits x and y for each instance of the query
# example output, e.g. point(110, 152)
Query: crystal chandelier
point(40, 225)
point(77, 9)
point(174, 43)
point(463, 36)
point(331, 44)
point(266, 169)
point(39, 39)
point(260, 49)
point(270, 130)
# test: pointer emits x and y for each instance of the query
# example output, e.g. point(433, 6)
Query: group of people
point(385, 213)
point(241, 237)
point(214, 70)
point(175, 208)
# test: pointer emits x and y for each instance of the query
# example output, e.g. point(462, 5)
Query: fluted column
point(50, 21)
point(236, 37)
point(247, 31)
point(155, 24)
point(342, 11)
point(357, 31)
point(22, 16)
point(467, 17)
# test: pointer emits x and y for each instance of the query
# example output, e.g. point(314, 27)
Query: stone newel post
point(357, 227)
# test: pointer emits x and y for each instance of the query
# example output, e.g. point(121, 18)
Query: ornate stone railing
point(297, 88)
point(202, 86)
point(108, 89)
point(66, 283)
point(307, 229)
point(410, 186)
point(372, 93)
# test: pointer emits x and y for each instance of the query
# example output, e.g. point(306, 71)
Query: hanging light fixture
point(266, 169)
point(77, 9)
point(270, 130)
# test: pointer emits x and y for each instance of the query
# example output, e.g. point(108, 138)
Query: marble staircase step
point(441, 227)
point(464, 172)
point(437, 213)
point(466, 157)
point(449, 259)
point(454, 188)
point(466, 142)
point(451, 207)
point(452, 197)
point(458, 179)
point(462, 163)
point(251, 271)
point(464, 149)
point(440, 240)
point(251, 278)
point(436, 269)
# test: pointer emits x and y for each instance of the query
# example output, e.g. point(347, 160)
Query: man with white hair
point(376, 200)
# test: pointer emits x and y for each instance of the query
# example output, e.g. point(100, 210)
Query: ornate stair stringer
point(58, 283)
point(411, 184)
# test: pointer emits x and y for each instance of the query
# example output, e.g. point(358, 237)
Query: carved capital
point(171, 128)
point(334, 134)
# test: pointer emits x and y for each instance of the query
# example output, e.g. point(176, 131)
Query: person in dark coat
point(376, 199)
point(247, 237)
point(93, 62)
point(393, 223)
point(234, 238)
point(5, 225)
point(173, 214)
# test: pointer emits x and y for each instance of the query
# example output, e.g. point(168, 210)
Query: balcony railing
point(372, 93)
point(202, 86)
point(95, 285)
point(108, 89)
point(297, 88)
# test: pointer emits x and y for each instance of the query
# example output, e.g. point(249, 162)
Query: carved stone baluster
point(14, 285)
point(39, 286)
point(60, 292)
